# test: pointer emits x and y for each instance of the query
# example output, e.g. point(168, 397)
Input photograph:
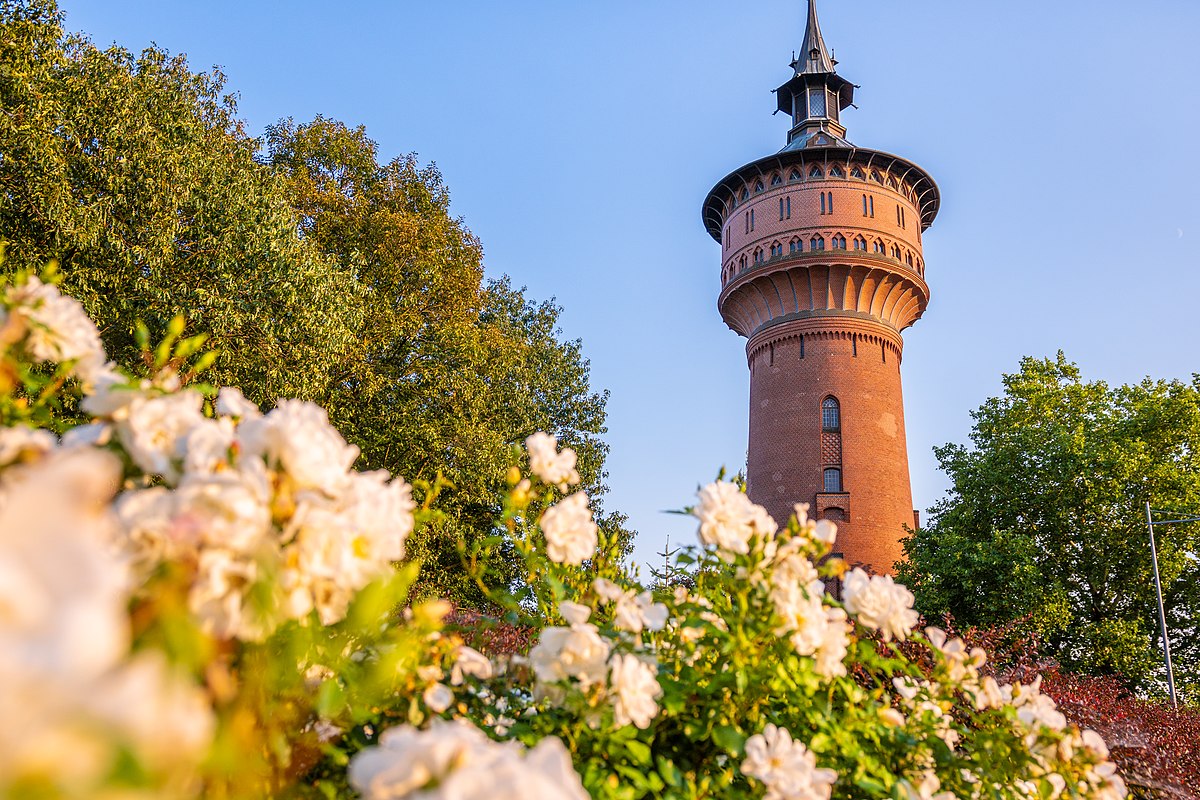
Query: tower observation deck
point(821, 269)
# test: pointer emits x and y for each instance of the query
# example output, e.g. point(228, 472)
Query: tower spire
point(814, 58)
point(815, 95)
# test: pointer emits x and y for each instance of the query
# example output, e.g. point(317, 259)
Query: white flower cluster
point(571, 535)
point(728, 520)
point(552, 466)
point(262, 505)
point(580, 656)
point(787, 768)
point(54, 327)
point(881, 604)
point(455, 761)
point(632, 612)
point(71, 691)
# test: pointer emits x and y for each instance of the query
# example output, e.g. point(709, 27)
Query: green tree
point(319, 272)
point(1045, 517)
point(136, 174)
point(448, 372)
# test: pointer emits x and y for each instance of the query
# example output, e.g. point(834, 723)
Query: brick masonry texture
point(827, 323)
point(785, 454)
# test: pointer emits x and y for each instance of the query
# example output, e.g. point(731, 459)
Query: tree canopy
point(319, 272)
point(1045, 517)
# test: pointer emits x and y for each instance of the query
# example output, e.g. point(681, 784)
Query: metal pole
point(1162, 616)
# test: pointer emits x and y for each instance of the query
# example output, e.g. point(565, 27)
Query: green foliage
point(315, 271)
point(447, 373)
point(1046, 517)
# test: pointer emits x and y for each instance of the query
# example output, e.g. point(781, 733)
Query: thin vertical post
point(1162, 616)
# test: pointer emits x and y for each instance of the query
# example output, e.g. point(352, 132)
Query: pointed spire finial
point(814, 56)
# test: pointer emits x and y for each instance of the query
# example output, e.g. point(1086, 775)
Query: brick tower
point(821, 271)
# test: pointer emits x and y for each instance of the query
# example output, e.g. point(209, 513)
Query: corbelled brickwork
point(822, 267)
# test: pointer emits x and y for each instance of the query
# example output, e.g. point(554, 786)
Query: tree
point(136, 174)
point(448, 372)
point(319, 272)
point(1045, 517)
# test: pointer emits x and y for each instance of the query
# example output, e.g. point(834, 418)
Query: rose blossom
point(552, 466)
point(728, 519)
point(787, 767)
point(636, 690)
point(571, 535)
point(880, 604)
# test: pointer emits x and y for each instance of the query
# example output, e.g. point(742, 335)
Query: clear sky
point(580, 138)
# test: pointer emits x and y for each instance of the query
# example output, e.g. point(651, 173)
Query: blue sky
point(580, 138)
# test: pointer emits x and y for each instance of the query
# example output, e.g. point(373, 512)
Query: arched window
point(795, 176)
point(831, 414)
point(891, 182)
point(875, 176)
point(758, 186)
point(855, 172)
point(742, 262)
point(776, 180)
point(839, 242)
point(745, 193)
point(758, 255)
point(836, 172)
point(814, 171)
point(833, 479)
point(817, 242)
point(777, 250)
point(860, 243)
point(794, 246)
point(896, 252)
point(909, 257)
point(877, 246)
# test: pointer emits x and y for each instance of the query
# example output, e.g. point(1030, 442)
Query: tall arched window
point(831, 414)
point(831, 444)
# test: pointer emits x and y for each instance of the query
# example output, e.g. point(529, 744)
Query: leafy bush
point(200, 599)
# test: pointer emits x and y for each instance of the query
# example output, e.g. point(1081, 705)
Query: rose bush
point(201, 599)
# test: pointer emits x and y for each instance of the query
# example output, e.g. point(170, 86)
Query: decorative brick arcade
point(822, 269)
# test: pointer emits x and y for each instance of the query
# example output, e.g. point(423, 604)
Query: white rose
point(470, 662)
point(571, 535)
point(297, 437)
point(576, 652)
point(58, 329)
point(438, 697)
point(232, 403)
point(551, 466)
point(22, 443)
point(154, 430)
point(881, 604)
point(455, 761)
point(636, 690)
point(729, 520)
point(787, 767)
